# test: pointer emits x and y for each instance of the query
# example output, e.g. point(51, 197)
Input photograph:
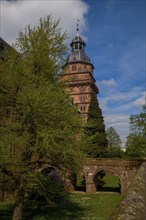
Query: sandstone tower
point(78, 76)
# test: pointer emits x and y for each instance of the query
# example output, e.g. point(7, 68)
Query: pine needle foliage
point(38, 123)
point(95, 142)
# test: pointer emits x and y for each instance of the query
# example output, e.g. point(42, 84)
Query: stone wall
point(133, 205)
point(125, 170)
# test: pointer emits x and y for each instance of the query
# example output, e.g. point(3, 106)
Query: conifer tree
point(38, 123)
point(95, 142)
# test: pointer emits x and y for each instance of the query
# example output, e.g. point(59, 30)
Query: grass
point(111, 183)
point(78, 206)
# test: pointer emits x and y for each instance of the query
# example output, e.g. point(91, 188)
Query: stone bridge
point(125, 170)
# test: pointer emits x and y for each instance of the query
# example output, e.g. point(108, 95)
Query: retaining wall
point(133, 205)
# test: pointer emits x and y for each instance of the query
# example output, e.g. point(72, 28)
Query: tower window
point(81, 46)
point(74, 68)
point(82, 98)
point(82, 108)
point(82, 89)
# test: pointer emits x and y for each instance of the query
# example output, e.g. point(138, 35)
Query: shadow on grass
point(41, 210)
point(81, 188)
point(109, 189)
point(61, 210)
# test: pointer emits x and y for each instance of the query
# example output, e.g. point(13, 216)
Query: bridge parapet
point(129, 164)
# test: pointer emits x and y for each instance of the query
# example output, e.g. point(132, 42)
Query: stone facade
point(78, 77)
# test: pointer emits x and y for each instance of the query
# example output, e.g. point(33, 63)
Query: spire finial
point(78, 26)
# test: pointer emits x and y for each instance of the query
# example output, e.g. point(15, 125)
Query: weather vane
point(78, 26)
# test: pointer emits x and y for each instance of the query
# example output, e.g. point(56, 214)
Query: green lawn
point(111, 183)
point(78, 206)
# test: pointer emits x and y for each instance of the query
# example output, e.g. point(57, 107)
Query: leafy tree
point(95, 142)
point(114, 143)
point(38, 123)
point(113, 137)
point(136, 141)
point(138, 123)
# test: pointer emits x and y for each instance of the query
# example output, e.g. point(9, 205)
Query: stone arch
point(95, 176)
point(83, 173)
point(53, 172)
point(83, 177)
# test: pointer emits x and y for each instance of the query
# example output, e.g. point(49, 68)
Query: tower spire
point(78, 26)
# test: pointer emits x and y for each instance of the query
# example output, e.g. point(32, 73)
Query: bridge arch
point(125, 170)
point(53, 173)
point(81, 181)
point(108, 169)
point(98, 179)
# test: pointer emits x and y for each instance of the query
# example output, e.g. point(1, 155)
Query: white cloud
point(15, 15)
point(112, 94)
point(121, 123)
point(103, 104)
point(110, 83)
point(140, 101)
point(118, 106)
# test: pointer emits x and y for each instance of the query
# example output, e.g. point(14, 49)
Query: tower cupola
point(78, 50)
point(78, 54)
point(77, 43)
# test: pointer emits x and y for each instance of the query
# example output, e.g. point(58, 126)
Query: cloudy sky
point(114, 31)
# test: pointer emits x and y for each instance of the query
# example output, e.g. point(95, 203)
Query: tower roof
point(78, 39)
point(78, 54)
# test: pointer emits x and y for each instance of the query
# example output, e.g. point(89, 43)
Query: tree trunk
point(17, 214)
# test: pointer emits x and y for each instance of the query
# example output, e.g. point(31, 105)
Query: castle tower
point(78, 76)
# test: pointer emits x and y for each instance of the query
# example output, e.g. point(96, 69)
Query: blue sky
point(114, 31)
point(116, 46)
